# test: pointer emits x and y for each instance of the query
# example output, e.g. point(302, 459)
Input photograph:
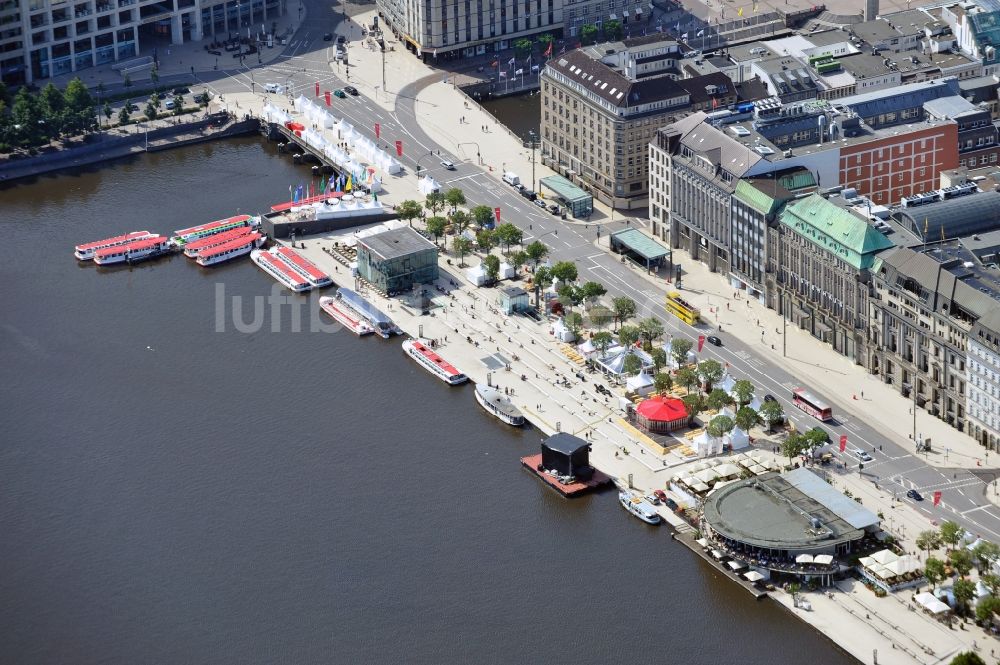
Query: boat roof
point(434, 357)
point(278, 264)
point(362, 305)
point(230, 245)
point(301, 262)
point(142, 243)
point(213, 225)
point(117, 239)
point(219, 238)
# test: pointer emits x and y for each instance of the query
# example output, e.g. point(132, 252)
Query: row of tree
point(961, 561)
point(32, 119)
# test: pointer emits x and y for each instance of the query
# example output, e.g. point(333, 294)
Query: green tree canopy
point(612, 30)
point(491, 264)
point(27, 116)
point(150, 111)
point(771, 412)
point(987, 608)
point(717, 399)
point(651, 328)
point(631, 365)
point(537, 251)
point(565, 271)
point(985, 553)
point(522, 47)
point(600, 316)
point(434, 202)
point(461, 246)
point(792, 446)
point(659, 357)
point(967, 658)
point(746, 418)
point(928, 540)
point(686, 377)
point(569, 295)
point(486, 241)
point(628, 335)
point(483, 215)
point(679, 348)
point(53, 106)
point(574, 322)
point(720, 426)
point(663, 382)
point(592, 291)
point(408, 210)
point(460, 220)
point(588, 34)
point(508, 235)
point(951, 533)
point(517, 260)
point(602, 340)
point(624, 309)
point(743, 392)
point(694, 404)
point(454, 197)
point(436, 226)
point(965, 591)
point(710, 372)
point(961, 561)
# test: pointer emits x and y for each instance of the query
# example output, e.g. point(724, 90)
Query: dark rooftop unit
point(568, 455)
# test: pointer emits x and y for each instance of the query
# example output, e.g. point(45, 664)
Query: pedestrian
point(862, 394)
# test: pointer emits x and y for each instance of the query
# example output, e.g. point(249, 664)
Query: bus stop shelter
point(578, 202)
point(639, 247)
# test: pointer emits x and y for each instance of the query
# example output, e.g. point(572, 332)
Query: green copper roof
point(835, 230)
point(755, 198)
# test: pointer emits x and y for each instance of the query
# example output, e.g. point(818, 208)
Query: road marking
point(464, 177)
point(972, 510)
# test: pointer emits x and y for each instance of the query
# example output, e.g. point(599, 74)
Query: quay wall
point(274, 227)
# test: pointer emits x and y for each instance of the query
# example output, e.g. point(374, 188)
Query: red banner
point(317, 88)
point(937, 497)
point(843, 442)
point(701, 342)
point(378, 130)
point(399, 148)
point(496, 213)
point(327, 95)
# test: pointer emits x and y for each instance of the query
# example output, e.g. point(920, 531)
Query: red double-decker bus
point(811, 404)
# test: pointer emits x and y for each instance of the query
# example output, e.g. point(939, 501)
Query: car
point(351, 90)
point(328, 37)
point(341, 39)
point(215, 53)
point(130, 107)
point(340, 93)
point(180, 91)
point(529, 194)
point(769, 398)
point(448, 165)
point(169, 104)
point(272, 87)
point(672, 505)
point(864, 457)
point(915, 495)
point(713, 340)
point(661, 495)
point(652, 498)
point(540, 203)
point(554, 208)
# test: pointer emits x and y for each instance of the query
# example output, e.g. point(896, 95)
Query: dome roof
point(665, 409)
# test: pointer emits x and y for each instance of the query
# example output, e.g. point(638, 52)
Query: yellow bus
point(682, 309)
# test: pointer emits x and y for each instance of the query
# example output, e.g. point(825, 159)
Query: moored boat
point(372, 315)
point(280, 270)
point(87, 251)
point(183, 236)
point(134, 251)
point(344, 316)
point(420, 351)
point(192, 248)
point(303, 266)
point(639, 507)
point(498, 404)
point(230, 250)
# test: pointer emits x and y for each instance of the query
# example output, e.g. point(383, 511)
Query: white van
point(511, 178)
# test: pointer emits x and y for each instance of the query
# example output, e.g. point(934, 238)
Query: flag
point(715, 103)
point(496, 213)
point(739, 12)
point(563, 50)
point(701, 342)
point(503, 74)
point(519, 72)
point(511, 61)
point(843, 442)
point(349, 186)
point(548, 51)
point(937, 497)
point(684, 36)
point(700, 33)
point(322, 185)
point(755, 6)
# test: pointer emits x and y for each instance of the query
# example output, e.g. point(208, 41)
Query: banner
point(327, 95)
point(317, 88)
point(378, 130)
point(937, 497)
point(496, 213)
point(843, 442)
point(399, 148)
point(701, 342)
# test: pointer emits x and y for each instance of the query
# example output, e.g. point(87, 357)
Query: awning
point(718, 554)
point(804, 558)
point(736, 565)
point(702, 541)
point(823, 559)
point(613, 17)
point(753, 576)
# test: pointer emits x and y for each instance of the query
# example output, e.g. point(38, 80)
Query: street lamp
point(534, 144)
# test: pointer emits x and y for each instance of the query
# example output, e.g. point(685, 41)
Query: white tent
point(738, 439)
point(428, 185)
point(736, 565)
point(753, 576)
point(614, 361)
point(823, 559)
point(755, 404)
point(586, 349)
point(507, 271)
point(702, 541)
point(727, 470)
point(476, 275)
point(804, 558)
point(728, 412)
point(726, 384)
point(561, 332)
point(706, 475)
point(705, 445)
point(641, 384)
point(930, 603)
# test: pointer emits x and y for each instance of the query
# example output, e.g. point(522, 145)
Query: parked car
point(340, 93)
point(448, 165)
point(661, 495)
point(169, 104)
point(554, 208)
point(529, 194)
point(215, 53)
point(180, 91)
point(769, 398)
point(713, 340)
point(653, 499)
point(915, 495)
point(328, 37)
point(341, 39)
point(865, 457)
point(540, 203)
point(351, 90)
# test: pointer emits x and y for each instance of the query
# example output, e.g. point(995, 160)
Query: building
point(661, 415)
point(394, 261)
point(983, 397)
point(638, 247)
point(45, 38)
point(441, 29)
point(567, 455)
point(819, 262)
point(601, 106)
point(514, 299)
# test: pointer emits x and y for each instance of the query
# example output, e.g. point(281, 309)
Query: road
point(895, 467)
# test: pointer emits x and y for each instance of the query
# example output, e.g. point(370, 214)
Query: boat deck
point(597, 481)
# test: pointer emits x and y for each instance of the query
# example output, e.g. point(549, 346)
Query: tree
point(991, 581)
point(934, 571)
point(631, 365)
point(53, 107)
point(687, 377)
point(150, 111)
point(624, 309)
point(771, 412)
point(710, 372)
point(961, 561)
point(461, 246)
point(127, 81)
point(720, 426)
point(536, 251)
point(986, 608)
point(483, 215)
point(154, 76)
point(178, 104)
point(928, 540)
point(565, 271)
point(436, 226)
point(491, 264)
point(486, 240)
point(522, 47)
point(408, 211)
point(26, 115)
point(694, 405)
point(546, 38)
point(154, 99)
point(743, 392)
point(203, 99)
point(602, 340)
point(663, 382)
point(965, 591)
point(600, 316)
point(951, 533)
point(985, 553)
point(434, 202)
point(517, 260)
point(107, 112)
point(588, 34)
point(123, 115)
point(454, 197)
point(679, 348)
point(592, 291)
point(792, 446)
point(79, 106)
point(6, 99)
point(628, 335)
point(659, 357)
point(612, 30)
point(574, 322)
point(746, 418)
point(543, 278)
point(651, 328)
point(717, 399)
point(508, 235)
point(967, 658)
point(459, 220)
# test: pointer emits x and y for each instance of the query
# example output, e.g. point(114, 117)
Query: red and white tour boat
point(230, 250)
point(192, 248)
point(345, 316)
point(303, 266)
point(86, 251)
point(133, 251)
point(184, 236)
point(280, 270)
point(420, 351)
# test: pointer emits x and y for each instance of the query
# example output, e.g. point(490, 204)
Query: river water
point(174, 490)
point(519, 113)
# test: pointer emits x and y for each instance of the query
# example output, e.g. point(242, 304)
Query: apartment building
point(44, 38)
point(601, 106)
point(983, 386)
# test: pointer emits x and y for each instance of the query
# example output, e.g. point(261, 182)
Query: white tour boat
point(87, 251)
point(345, 316)
point(498, 404)
point(230, 250)
point(133, 251)
point(420, 351)
point(639, 507)
point(280, 270)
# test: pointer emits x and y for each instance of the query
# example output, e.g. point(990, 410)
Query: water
point(173, 494)
point(519, 113)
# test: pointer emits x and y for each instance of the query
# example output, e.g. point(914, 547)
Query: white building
point(983, 383)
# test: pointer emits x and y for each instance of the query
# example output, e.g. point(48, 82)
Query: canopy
point(753, 576)
point(614, 361)
point(823, 559)
point(706, 475)
point(640, 382)
point(586, 348)
point(699, 487)
point(804, 558)
point(738, 439)
point(727, 383)
point(507, 271)
point(428, 185)
point(702, 541)
point(476, 275)
point(884, 557)
point(736, 565)
point(930, 603)
point(727, 470)
point(718, 554)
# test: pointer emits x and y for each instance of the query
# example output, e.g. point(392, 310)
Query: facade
point(44, 38)
point(819, 262)
point(984, 381)
point(437, 28)
point(602, 105)
point(394, 261)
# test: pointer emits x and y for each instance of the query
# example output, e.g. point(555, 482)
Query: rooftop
point(565, 443)
point(953, 218)
point(640, 243)
point(396, 243)
point(835, 230)
point(564, 189)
